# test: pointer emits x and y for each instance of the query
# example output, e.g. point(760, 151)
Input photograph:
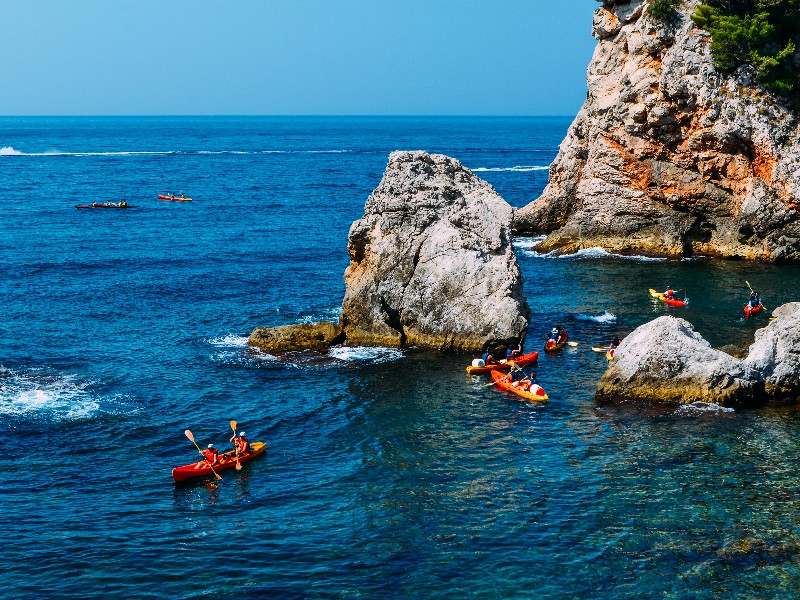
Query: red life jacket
point(243, 445)
point(210, 454)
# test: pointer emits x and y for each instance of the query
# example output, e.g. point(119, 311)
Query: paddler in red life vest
point(669, 293)
point(241, 444)
point(211, 454)
point(563, 336)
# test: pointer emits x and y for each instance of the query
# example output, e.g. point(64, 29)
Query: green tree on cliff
point(761, 33)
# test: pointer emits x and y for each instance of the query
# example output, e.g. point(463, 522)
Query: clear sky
point(279, 57)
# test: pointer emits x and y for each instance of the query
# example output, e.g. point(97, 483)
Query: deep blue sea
point(390, 473)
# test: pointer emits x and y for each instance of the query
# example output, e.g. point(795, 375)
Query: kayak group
point(753, 305)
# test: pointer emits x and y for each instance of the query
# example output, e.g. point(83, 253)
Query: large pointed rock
point(431, 262)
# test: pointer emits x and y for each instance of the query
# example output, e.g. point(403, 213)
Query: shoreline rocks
point(667, 156)
point(291, 338)
point(431, 262)
point(665, 360)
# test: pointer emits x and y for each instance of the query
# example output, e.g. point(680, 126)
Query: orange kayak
point(551, 346)
point(520, 361)
point(226, 461)
point(536, 394)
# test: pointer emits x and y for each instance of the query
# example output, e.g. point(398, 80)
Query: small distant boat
point(227, 461)
point(174, 198)
point(535, 394)
point(670, 301)
point(120, 204)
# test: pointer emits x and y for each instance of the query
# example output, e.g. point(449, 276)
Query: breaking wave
point(699, 408)
point(606, 317)
point(40, 394)
point(229, 341)
point(526, 243)
point(365, 354)
point(9, 151)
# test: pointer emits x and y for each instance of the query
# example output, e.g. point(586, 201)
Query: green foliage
point(761, 33)
point(663, 10)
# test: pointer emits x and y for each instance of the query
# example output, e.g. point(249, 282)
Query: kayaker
point(669, 293)
point(488, 359)
point(562, 336)
point(615, 344)
point(241, 443)
point(211, 454)
point(554, 334)
point(514, 352)
point(755, 299)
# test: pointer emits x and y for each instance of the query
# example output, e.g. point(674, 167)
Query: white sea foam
point(229, 341)
point(40, 394)
point(328, 314)
point(365, 354)
point(526, 243)
point(606, 317)
point(520, 168)
point(9, 151)
point(598, 252)
point(697, 408)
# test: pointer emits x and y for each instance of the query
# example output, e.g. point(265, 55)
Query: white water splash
point(526, 243)
point(40, 394)
point(328, 314)
point(230, 341)
point(606, 317)
point(698, 408)
point(365, 354)
point(598, 252)
point(9, 151)
point(520, 168)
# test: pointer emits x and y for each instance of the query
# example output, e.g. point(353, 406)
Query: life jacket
point(669, 293)
point(508, 353)
point(210, 454)
point(243, 445)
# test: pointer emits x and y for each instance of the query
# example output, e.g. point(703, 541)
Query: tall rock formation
point(431, 263)
point(668, 156)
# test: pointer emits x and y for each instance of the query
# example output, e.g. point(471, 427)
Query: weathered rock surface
point(290, 338)
point(668, 156)
point(666, 360)
point(431, 262)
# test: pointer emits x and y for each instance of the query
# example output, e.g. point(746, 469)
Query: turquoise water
point(390, 473)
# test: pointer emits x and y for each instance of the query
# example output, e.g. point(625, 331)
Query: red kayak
point(174, 198)
point(226, 461)
point(536, 393)
point(748, 311)
point(670, 301)
point(520, 361)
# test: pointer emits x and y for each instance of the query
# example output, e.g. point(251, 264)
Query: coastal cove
point(389, 472)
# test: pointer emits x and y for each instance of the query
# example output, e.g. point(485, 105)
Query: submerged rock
point(291, 338)
point(666, 360)
point(667, 156)
point(431, 262)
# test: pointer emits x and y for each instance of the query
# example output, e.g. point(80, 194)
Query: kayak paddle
point(572, 343)
point(191, 437)
point(599, 348)
point(238, 464)
point(751, 289)
point(513, 368)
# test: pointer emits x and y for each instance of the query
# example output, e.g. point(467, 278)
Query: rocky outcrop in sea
point(431, 263)
point(665, 360)
point(669, 157)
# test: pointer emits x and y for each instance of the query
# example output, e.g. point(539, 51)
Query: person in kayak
point(669, 293)
point(755, 300)
point(211, 454)
point(512, 353)
point(554, 334)
point(488, 359)
point(241, 443)
point(562, 336)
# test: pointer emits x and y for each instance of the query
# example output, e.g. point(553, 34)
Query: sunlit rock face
point(669, 157)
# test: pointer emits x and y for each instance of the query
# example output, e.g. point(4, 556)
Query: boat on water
point(535, 394)
point(551, 346)
point(670, 301)
point(227, 460)
point(120, 204)
point(749, 311)
point(520, 361)
point(174, 198)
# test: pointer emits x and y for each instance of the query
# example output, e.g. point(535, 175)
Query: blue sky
point(351, 57)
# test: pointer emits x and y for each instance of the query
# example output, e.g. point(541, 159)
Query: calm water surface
point(389, 474)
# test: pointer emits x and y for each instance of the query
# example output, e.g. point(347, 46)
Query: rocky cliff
point(666, 360)
point(669, 157)
point(431, 262)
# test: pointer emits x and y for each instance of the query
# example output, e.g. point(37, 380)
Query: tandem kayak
point(748, 311)
point(520, 361)
point(227, 461)
point(670, 301)
point(551, 346)
point(536, 394)
point(172, 198)
point(105, 205)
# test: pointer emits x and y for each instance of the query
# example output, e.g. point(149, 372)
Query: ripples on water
point(389, 473)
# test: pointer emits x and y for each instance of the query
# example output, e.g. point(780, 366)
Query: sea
point(389, 472)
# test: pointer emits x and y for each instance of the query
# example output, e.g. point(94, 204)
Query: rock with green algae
point(301, 336)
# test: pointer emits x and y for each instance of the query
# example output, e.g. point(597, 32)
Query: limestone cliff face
point(431, 262)
point(668, 156)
